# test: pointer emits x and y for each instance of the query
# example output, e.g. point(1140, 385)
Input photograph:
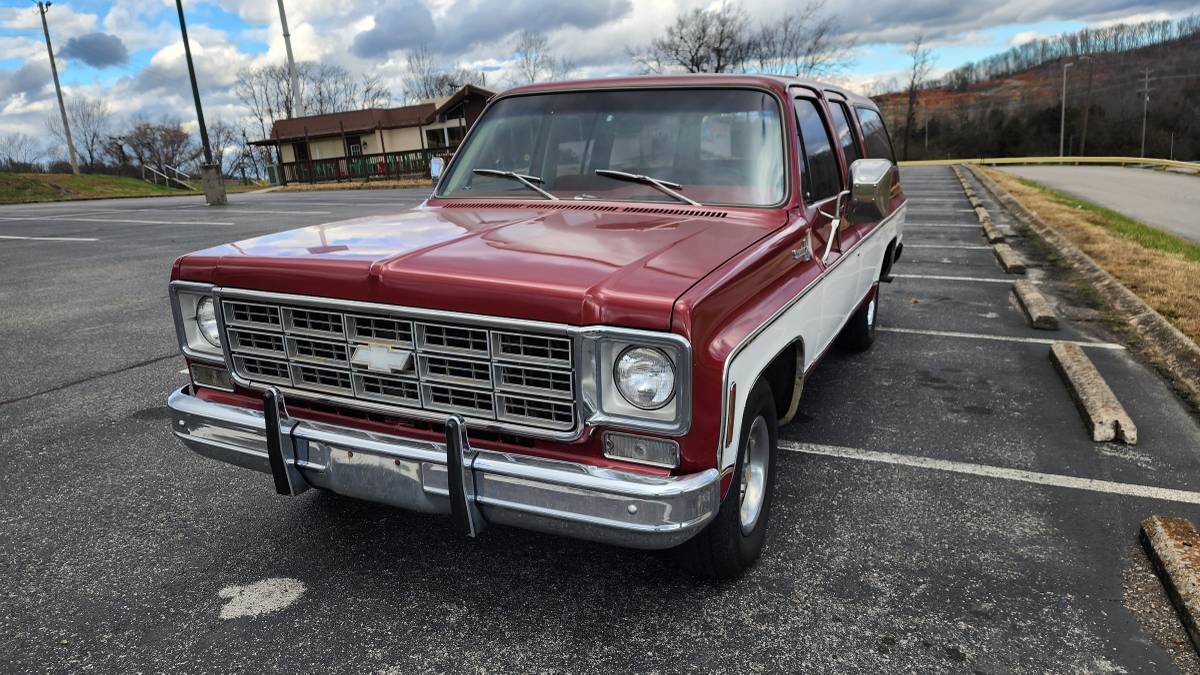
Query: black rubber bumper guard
point(282, 451)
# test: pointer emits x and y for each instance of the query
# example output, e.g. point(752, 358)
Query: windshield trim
point(788, 160)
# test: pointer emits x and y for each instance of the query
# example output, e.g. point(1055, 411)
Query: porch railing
point(403, 164)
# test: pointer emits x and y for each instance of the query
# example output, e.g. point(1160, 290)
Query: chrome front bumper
point(479, 487)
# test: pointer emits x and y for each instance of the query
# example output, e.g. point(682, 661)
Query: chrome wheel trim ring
point(871, 313)
point(755, 462)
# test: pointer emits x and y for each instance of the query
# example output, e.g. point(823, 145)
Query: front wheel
point(859, 333)
point(730, 544)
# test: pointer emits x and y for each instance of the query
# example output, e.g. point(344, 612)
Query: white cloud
point(1025, 36)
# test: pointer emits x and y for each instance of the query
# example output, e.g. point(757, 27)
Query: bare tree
point(535, 62)
point(373, 92)
point(19, 152)
point(533, 56)
point(801, 44)
point(324, 88)
point(225, 140)
point(922, 64)
point(162, 145)
point(701, 41)
point(91, 120)
point(424, 79)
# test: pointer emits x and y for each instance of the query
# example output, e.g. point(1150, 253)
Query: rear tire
point(859, 333)
point(733, 540)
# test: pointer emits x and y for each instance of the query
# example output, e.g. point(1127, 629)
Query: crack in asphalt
point(89, 378)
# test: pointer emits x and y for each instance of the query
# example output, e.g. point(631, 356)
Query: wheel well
point(888, 259)
point(785, 375)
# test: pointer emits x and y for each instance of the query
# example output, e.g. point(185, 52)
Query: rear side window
point(879, 146)
point(841, 123)
point(822, 177)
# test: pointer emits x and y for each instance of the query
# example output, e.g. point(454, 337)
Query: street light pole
point(210, 175)
point(1145, 91)
point(294, 92)
point(1062, 124)
point(43, 7)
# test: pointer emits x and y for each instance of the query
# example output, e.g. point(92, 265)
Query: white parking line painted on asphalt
point(10, 236)
point(975, 226)
point(1000, 338)
point(962, 246)
point(281, 213)
point(942, 277)
point(74, 219)
point(998, 472)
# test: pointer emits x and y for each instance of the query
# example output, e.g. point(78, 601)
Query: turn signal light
point(641, 449)
point(211, 377)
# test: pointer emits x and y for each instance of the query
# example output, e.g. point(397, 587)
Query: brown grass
point(359, 185)
point(1164, 273)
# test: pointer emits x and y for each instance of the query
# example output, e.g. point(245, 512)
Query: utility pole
point(926, 135)
point(287, 42)
point(1062, 125)
point(1087, 106)
point(1145, 91)
point(43, 7)
point(210, 175)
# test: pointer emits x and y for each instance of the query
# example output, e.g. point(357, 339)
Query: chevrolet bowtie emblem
point(382, 359)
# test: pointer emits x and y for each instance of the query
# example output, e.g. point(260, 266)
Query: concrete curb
point(982, 214)
point(1010, 260)
point(1164, 343)
point(1173, 545)
point(993, 235)
point(1103, 414)
point(1037, 308)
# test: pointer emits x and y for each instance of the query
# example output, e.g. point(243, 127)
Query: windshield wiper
point(666, 187)
point(527, 181)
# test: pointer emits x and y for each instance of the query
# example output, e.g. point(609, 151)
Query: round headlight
point(206, 320)
point(645, 377)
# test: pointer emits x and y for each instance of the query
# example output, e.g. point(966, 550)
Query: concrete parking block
point(1173, 545)
point(1037, 308)
point(992, 234)
point(1103, 414)
point(982, 214)
point(1010, 260)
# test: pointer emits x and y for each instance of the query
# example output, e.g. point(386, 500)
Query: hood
point(566, 264)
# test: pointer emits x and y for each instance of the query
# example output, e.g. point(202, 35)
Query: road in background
point(1170, 201)
point(924, 518)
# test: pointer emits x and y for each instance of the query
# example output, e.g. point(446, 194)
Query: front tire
point(859, 333)
point(733, 541)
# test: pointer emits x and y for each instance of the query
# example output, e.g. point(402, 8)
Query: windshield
point(721, 146)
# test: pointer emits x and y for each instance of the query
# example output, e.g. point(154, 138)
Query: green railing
point(389, 165)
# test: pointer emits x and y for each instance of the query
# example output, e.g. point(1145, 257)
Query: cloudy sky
point(129, 51)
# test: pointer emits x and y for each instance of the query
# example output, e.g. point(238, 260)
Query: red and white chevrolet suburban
point(594, 326)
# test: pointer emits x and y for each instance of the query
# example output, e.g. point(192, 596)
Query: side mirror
point(435, 167)
point(870, 190)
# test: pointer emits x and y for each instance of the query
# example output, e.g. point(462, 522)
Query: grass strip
point(1160, 268)
point(1124, 226)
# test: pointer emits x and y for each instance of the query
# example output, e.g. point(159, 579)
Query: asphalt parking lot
point(940, 506)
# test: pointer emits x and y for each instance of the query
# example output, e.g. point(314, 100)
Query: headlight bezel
point(606, 406)
point(185, 301)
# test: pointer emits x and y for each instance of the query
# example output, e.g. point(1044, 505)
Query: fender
point(791, 321)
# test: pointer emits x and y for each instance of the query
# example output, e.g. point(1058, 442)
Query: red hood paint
point(563, 264)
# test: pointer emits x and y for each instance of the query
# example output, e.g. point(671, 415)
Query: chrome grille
point(405, 362)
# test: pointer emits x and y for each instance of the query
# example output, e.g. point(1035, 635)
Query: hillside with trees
point(1009, 105)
